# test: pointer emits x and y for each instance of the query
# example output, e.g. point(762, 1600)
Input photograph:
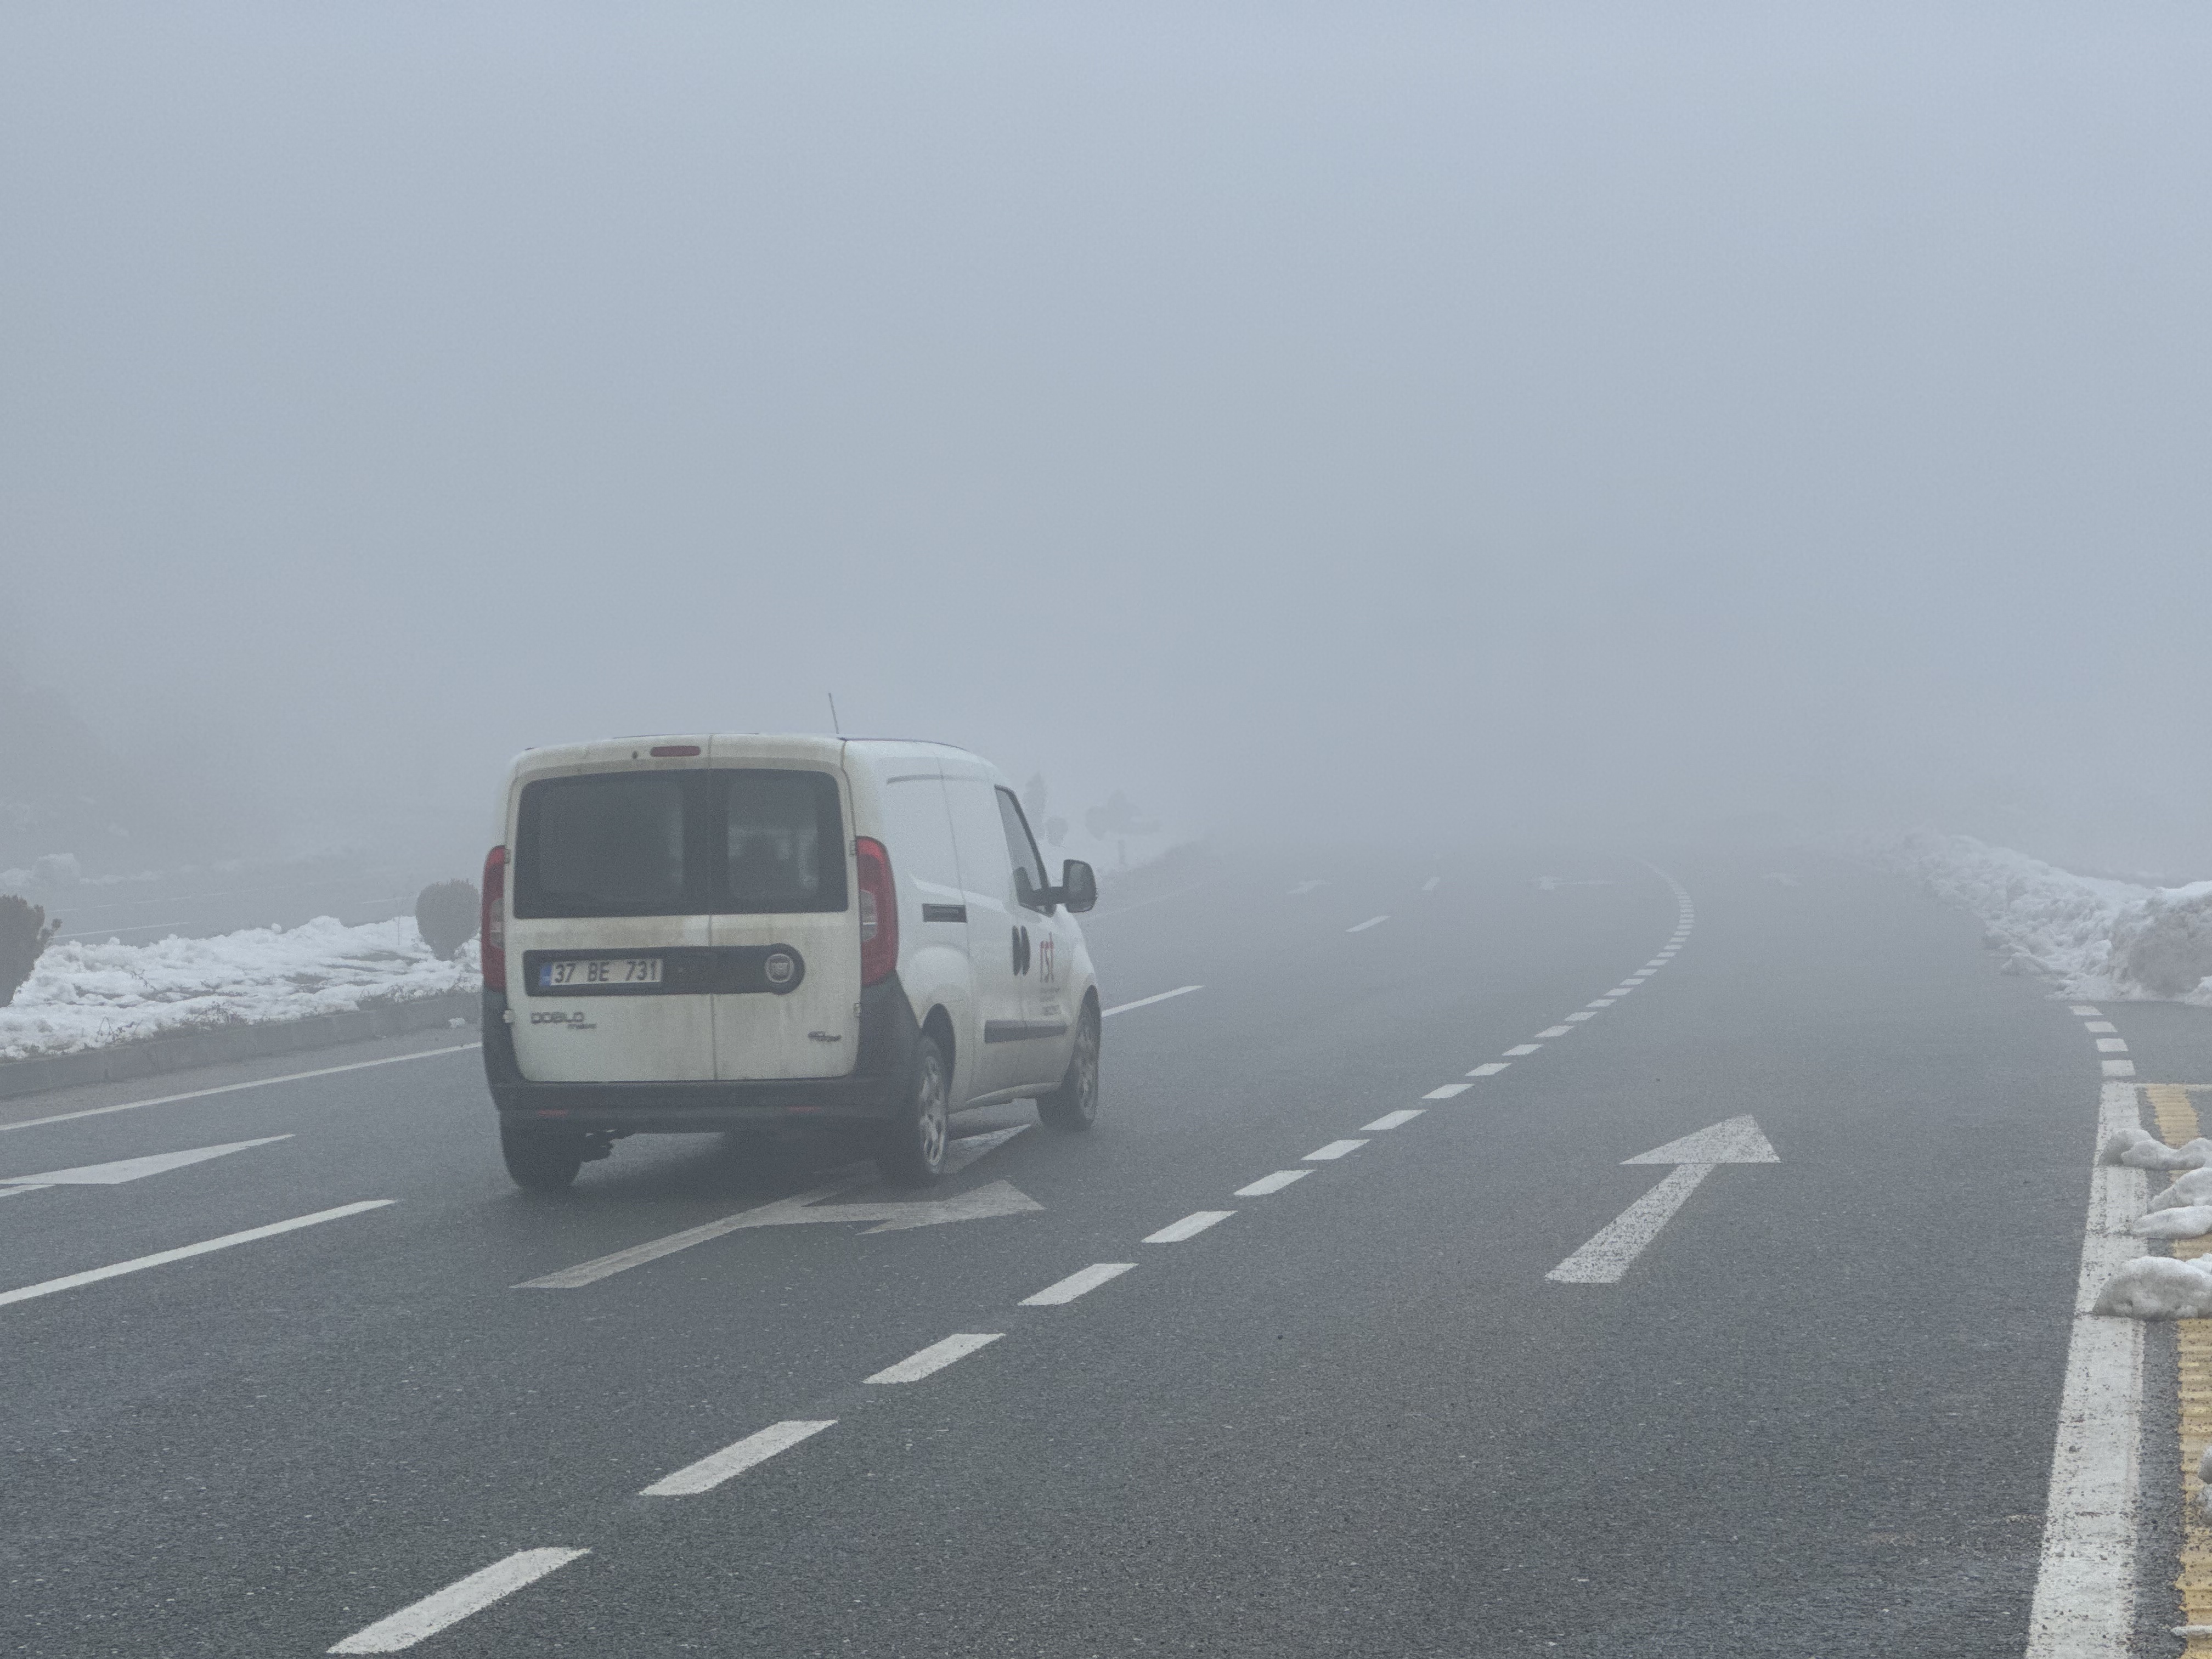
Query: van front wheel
point(1075, 1104)
point(911, 1146)
point(543, 1161)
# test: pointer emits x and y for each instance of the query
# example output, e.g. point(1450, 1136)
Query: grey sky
point(1515, 420)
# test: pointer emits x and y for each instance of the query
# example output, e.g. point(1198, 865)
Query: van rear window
point(710, 842)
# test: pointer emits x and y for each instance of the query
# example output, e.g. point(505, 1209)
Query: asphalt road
point(1813, 1416)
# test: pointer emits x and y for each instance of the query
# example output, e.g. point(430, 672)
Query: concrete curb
point(228, 1043)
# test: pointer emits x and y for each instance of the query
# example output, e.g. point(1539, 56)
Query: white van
point(734, 932)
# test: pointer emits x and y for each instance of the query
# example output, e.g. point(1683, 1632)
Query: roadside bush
point(24, 931)
point(445, 915)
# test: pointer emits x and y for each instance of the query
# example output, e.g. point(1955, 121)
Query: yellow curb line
point(2177, 1123)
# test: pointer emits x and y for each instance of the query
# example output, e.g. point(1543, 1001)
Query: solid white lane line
point(162, 1258)
point(1189, 1227)
point(1404, 1114)
point(2120, 1068)
point(1335, 1150)
point(1269, 1184)
point(2084, 1602)
point(1362, 927)
point(935, 1357)
point(1447, 1092)
point(473, 1593)
point(1430, 886)
point(1585, 1014)
point(233, 1088)
point(1556, 1031)
point(1088, 1279)
point(1520, 1048)
point(2083, 1009)
point(1488, 1068)
point(2112, 1045)
point(1146, 1002)
point(2098, 1025)
point(710, 1471)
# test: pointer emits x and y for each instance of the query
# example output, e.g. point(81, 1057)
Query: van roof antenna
point(834, 726)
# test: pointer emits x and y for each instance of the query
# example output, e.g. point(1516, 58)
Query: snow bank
point(2157, 1287)
point(2097, 938)
point(84, 995)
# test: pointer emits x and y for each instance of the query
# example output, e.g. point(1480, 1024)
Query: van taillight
point(491, 933)
point(878, 911)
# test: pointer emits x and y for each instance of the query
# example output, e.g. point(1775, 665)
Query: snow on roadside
point(84, 995)
point(2098, 938)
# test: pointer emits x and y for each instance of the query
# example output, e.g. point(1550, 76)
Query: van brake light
point(878, 910)
point(491, 932)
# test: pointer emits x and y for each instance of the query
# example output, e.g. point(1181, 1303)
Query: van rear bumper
point(873, 1091)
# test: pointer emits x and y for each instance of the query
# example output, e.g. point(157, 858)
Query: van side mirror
point(1079, 886)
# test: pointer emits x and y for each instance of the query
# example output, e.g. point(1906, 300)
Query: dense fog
point(1476, 423)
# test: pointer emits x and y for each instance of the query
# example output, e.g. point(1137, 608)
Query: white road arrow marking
point(130, 1169)
point(1607, 1255)
point(997, 1198)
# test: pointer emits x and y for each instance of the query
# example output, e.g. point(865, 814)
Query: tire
point(1073, 1106)
point(541, 1161)
point(911, 1149)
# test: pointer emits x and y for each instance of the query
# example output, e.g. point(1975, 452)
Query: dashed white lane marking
point(1584, 1014)
point(936, 1357)
point(473, 1593)
point(1362, 927)
point(1269, 1184)
point(1447, 1092)
point(1303, 887)
point(1520, 1048)
point(1335, 1150)
point(1146, 1002)
point(710, 1471)
point(233, 1088)
point(2083, 1009)
point(2098, 1025)
point(1488, 1068)
point(1404, 1114)
point(1602, 1002)
point(2084, 1603)
point(1556, 1031)
point(1656, 962)
point(2112, 1045)
point(2120, 1068)
point(1088, 1279)
point(1430, 886)
point(162, 1258)
point(1189, 1227)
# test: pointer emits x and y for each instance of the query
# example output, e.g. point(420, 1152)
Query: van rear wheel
point(1075, 1104)
point(542, 1160)
point(911, 1148)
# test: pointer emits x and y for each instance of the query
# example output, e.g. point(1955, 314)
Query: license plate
point(598, 971)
